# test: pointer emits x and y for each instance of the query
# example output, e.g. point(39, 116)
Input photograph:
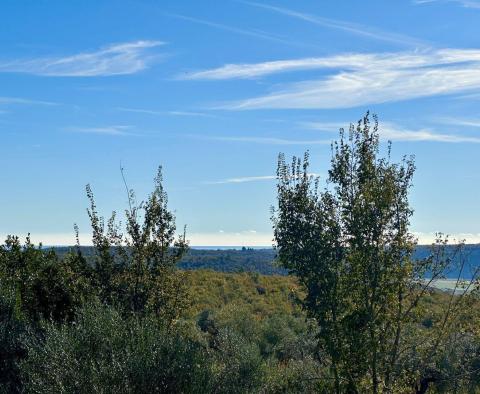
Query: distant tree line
point(263, 261)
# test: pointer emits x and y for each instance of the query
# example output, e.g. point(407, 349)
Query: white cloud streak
point(353, 62)
point(245, 71)
point(106, 130)
point(163, 113)
point(251, 33)
point(349, 27)
point(472, 96)
point(118, 59)
point(473, 123)
point(388, 131)
point(364, 79)
point(17, 100)
point(266, 140)
point(250, 179)
point(242, 180)
point(463, 3)
point(394, 132)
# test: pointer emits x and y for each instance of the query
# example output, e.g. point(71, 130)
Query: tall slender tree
point(138, 266)
point(351, 248)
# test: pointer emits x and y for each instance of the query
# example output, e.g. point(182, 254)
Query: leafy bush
point(238, 364)
point(101, 351)
point(296, 376)
point(288, 338)
point(44, 286)
point(12, 330)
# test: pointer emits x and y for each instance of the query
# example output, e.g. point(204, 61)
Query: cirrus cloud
point(358, 79)
point(116, 130)
point(394, 132)
point(117, 59)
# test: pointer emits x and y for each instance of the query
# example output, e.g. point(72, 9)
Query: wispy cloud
point(107, 130)
point(238, 71)
point(17, 100)
point(242, 179)
point(349, 27)
point(245, 32)
point(463, 3)
point(394, 132)
point(365, 79)
point(265, 140)
point(118, 59)
point(163, 113)
point(250, 179)
point(462, 122)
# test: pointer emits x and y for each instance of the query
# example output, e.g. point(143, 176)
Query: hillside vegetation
point(260, 295)
point(357, 312)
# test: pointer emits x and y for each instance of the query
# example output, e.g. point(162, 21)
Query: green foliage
point(43, 286)
point(136, 271)
point(264, 352)
point(239, 367)
point(12, 331)
point(296, 376)
point(262, 295)
point(105, 352)
point(350, 247)
point(249, 260)
point(34, 285)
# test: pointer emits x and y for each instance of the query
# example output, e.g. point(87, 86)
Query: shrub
point(44, 287)
point(305, 376)
point(12, 330)
point(101, 351)
point(239, 365)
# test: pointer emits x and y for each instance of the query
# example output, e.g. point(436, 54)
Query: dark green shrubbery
point(44, 287)
point(34, 286)
point(275, 354)
point(12, 331)
point(101, 351)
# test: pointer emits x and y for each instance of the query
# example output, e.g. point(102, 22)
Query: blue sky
point(214, 90)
